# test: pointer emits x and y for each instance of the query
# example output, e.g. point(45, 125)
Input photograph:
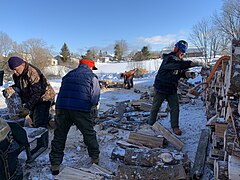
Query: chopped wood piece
point(145, 140)
point(168, 135)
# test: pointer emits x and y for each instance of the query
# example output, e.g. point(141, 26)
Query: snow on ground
point(192, 120)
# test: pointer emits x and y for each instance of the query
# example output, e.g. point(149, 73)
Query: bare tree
point(228, 21)
point(200, 37)
point(36, 52)
point(6, 46)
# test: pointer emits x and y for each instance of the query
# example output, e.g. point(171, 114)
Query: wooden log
point(120, 108)
point(125, 144)
point(212, 120)
point(229, 138)
point(220, 128)
point(152, 157)
point(200, 157)
point(145, 106)
point(168, 135)
point(234, 167)
point(172, 172)
point(118, 153)
point(73, 174)
point(220, 170)
point(98, 170)
point(139, 102)
point(145, 140)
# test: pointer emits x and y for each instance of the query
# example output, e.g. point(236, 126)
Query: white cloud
point(159, 40)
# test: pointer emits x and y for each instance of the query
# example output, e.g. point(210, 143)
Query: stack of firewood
point(223, 112)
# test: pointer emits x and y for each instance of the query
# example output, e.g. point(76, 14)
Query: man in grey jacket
point(79, 93)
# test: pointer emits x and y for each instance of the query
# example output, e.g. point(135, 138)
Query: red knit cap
point(88, 62)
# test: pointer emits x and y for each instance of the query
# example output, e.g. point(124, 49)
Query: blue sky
point(99, 23)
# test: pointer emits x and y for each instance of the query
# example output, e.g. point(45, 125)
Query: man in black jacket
point(166, 82)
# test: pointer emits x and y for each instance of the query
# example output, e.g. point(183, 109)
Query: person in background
point(35, 91)
point(128, 78)
point(173, 68)
point(79, 94)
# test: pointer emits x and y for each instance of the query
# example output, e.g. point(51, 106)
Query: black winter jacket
point(170, 71)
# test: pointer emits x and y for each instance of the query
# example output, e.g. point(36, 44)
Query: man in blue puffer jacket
point(79, 93)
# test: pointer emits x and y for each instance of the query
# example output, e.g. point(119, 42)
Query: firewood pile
point(148, 151)
point(223, 112)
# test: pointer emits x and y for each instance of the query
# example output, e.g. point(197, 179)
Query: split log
point(138, 102)
point(98, 170)
point(172, 172)
point(73, 174)
point(233, 167)
point(220, 127)
point(200, 157)
point(212, 120)
point(152, 157)
point(118, 153)
point(168, 135)
point(121, 108)
point(145, 140)
point(217, 153)
point(229, 138)
point(124, 145)
point(145, 106)
point(220, 170)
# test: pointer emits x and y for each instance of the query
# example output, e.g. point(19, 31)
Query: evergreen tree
point(117, 52)
point(65, 53)
point(145, 52)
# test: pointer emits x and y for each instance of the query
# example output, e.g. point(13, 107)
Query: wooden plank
point(98, 170)
point(168, 135)
point(200, 157)
point(76, 174)
point(234, 167)
point(145, 140)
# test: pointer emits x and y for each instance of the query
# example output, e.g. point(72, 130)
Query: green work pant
point(64, 120)
point(173, 103)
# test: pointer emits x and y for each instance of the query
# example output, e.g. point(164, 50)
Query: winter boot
point(95, 160)
point(177, 131)
point(55, 169)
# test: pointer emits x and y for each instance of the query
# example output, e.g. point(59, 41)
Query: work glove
point(22, 112)
point(190, 74)
point(200, 63)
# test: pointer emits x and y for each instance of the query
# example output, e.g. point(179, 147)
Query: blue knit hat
point(14, 62)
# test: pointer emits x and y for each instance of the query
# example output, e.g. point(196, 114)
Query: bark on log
point(172, 172)
point(152, 157)
point(145, 140)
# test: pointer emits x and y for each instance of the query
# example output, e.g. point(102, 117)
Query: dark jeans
point(64, 120)
point(40, 118)
point(40, 114)
point(173, 103)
